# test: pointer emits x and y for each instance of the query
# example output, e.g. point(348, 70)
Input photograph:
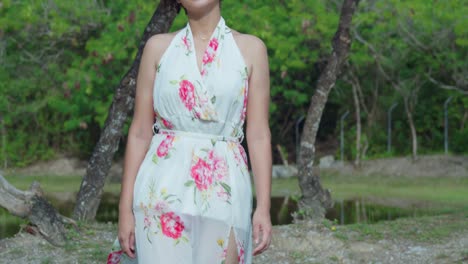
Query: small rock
point(326, 161)
point(282, 171)
point(417, 250)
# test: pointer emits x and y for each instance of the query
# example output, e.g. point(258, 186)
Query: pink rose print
point(114, 257)
point(219, 165)
point(171, 225)
point(147, 222)
point(223, 195)
point(187, 94)
point(210, 52)
point(210, 176)
point(214, 44)
point(160, 206)
point(208, 57)
point(243, 154)
point(202, 174)
point(241, 258)
point(186, 43)
point(164, 146)
point(167, 123)
point(244, 107)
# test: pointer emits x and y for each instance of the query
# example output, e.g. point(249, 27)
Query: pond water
point(345, 212)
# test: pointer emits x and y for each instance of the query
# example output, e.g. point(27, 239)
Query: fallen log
point(32, 205)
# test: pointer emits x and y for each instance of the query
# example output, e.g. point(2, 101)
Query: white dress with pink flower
point(193, 186)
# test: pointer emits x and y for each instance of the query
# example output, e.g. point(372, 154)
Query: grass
point(428, 229)
point(440, 191)
point(446, 190)
point(55, 183)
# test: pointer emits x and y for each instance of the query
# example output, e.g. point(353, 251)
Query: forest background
point(61, 60)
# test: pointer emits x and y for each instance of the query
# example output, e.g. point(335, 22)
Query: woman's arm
point(139, 139)
point(259, 141)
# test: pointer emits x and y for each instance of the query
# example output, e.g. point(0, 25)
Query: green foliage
point(59, 70)
point(61, 63)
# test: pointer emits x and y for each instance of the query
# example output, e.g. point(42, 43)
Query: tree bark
point(463, 120)
point(414, 136)
point(32, 205)
point(355, 87)
point(315, 200)
point(357, 160)
point(89, 196)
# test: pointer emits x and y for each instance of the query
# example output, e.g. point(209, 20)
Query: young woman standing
point(186, 190)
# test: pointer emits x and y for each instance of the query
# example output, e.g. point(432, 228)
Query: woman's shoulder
point(160, 41)
point(248, 41)
point(252, 48)
point(157, 44)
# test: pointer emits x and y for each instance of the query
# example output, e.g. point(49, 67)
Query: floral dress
point(193, 187)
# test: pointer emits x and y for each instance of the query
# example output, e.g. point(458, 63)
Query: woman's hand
point(261, 230)
point(127, 232)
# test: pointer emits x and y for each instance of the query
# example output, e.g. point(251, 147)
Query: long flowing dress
point(193, 187)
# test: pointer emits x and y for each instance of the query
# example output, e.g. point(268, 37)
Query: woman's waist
point(204, 135)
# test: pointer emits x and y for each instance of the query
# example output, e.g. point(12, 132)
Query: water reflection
point(345, 212)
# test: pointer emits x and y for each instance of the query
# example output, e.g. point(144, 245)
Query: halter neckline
point(212, 48)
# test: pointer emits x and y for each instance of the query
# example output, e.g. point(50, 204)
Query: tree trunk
point(31, 204)
point(358, 125)
point(4, 142)
point(89, 196)
point(414, 138)
point(463, 120)
point(315, 200)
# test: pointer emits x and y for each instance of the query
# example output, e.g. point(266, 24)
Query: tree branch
point(445, 86)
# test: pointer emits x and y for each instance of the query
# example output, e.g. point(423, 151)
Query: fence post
point(446, 124)
point(389, 127)
point(342, 135)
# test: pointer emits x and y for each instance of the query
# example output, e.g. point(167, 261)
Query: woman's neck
point(204, 25)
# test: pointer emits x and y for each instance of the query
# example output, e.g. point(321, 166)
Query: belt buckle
point(155, 129)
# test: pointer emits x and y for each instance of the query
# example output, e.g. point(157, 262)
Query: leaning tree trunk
point(33, 206)
point(315, 200)
point(89, 196)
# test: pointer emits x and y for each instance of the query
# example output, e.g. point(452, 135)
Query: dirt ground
point(427, 239)
point(403, 241)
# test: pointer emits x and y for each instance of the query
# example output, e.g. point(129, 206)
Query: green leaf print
point(213, 99)
point(174, 82)
point(195, 195)
point(226, 187)
point(155, 158)
point(189, 183)
point(148, 237)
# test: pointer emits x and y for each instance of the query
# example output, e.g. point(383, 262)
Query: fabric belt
point(197, 135)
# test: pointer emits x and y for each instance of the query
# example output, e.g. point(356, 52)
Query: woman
point(186, 191)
